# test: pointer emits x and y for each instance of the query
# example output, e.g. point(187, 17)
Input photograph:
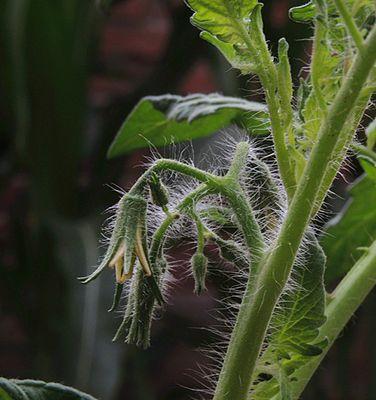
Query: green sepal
point(155, 289)
point(117, 296)
point(116, 238)
point(144, 292)
point(134, 219)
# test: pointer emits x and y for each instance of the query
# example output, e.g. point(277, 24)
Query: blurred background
point(70, 72)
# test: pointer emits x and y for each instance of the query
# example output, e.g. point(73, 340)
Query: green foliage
point(225, 24)
point(294, 326)
point(162, 120)
point(353, 229)
point(330, 62)
point(14, 389)
point(304, 13)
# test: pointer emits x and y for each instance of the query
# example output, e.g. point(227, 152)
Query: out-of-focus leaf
point(369, 166)
point(166, 119)
point(14, 389)
point(353, 228)
point(304, 13)
point(371, 135)
point(294, 326)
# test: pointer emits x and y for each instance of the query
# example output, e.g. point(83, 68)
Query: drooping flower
point(127, 242)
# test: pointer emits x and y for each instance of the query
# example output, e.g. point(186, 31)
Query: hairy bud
point(199, 264)
point(159, 192)
point(231, 252)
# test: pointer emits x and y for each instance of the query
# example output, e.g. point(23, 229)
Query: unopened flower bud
point(199, 264)
point(159, 192)
point(127, 242)
point(231, 252)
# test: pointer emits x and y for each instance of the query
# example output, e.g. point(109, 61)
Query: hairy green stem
point(228, 186)
point(267, 72)
point(351, 27)
point(340, 151)
point(258, 305)
point(173, 165)
point(246, 220)
point(238, 201)
point(160, 234)
point(345, 300)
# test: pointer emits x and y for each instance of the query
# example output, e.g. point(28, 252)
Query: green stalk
point(348, 296)
point(258, 305)
point(173, 165)
point(160, 234)
point(340, 151)
point(351, 27)
point(228, 186)
point(268, 75)
point(238, 201)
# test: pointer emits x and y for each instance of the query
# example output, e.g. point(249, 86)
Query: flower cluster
point(137, 245)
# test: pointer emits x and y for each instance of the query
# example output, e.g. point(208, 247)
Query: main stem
point(258, 304)
point(348, 296)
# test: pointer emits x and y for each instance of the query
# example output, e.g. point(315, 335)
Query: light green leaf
point(294, 326)
point(228, 24)
point(352, 229)
point(14, 389)
point(162, 120)
point(224, 19)
point(237, 59)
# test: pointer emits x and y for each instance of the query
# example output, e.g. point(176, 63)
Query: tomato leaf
point(353, 228)
point(230, 26)
point(14, 389)
point(294, 325)
point(166, 119)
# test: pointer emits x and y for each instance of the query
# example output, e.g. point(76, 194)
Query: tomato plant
point(259, 213)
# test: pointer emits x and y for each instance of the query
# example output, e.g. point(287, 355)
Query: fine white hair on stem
point(262, 187)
